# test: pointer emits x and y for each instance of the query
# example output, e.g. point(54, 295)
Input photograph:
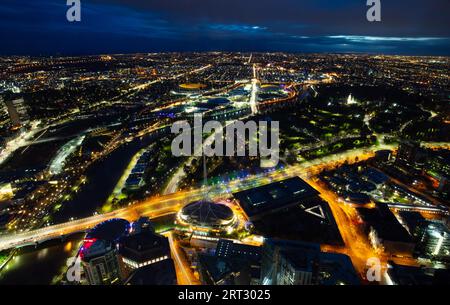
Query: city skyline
point(253, 143)
point(361, 182)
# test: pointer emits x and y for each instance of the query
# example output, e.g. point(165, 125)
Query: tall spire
point(205, 172)
point(205, 179)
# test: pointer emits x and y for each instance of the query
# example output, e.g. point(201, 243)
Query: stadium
point(207, 215)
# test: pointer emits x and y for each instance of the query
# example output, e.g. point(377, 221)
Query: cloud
point(237, 28)
point(236, 25)
point(321, 17)
point(386, 39)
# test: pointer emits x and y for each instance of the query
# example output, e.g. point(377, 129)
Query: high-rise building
point(229, 248)
point(13, 114)
point(115, 252)
point(298, 263)
point(142, 249)
point(407, 275)
point(3, 109)
point(18, 112)
point(385, 231)
point(99, 261)
point(337, 269)
point(410, 153)
point(434, 241)
point(215, 270)
point(411, 275)
point(99, 254)
point(289, 262)
point(232, 264)
point(438, 166)
point(251, 254)
point(162, 273)
point(143, 253)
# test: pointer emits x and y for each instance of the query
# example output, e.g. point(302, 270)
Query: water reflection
point(41, 265)
point(102, 177)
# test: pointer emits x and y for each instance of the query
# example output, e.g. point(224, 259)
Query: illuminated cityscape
point(360, 194)
point(350, 181)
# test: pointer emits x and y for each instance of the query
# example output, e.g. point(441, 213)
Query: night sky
point(40, 27)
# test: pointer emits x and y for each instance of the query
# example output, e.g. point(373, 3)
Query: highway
point(148, 84)
point(357, 245)
point(21, 140)
point(162, 205)
point(156, 206)
point(254, 93)
point(182, 267)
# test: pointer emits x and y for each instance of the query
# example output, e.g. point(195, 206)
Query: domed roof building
point(193, 86)
point(102, 237)
point(110, 230)
point(207, 214)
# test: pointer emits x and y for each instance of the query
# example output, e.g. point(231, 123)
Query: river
point(102, 177)
point(40, 265)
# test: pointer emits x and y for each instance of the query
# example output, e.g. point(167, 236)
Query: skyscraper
point(99, 255)
point(408, 153)
point(99, 261)
point(143, 254)
point(434, 241)
point(18, 112)
point(289, 262)
point(141, 249)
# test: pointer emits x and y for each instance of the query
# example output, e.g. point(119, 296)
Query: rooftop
point(162, 273)
point(220, 268)
point(110, 230)
point(383, 221)
point(274, 196)
point(207, 213)
point(192, 86)
point(140, 246)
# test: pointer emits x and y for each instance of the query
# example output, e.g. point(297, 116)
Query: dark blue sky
point(39, 27)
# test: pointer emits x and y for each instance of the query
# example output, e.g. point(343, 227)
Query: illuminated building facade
point(251, 254)
point(214, 270)
point(409, 153)
point(144, 256)
point(100, 263)
point(385, 231)
point(288, 262)
point(207, 215)
point(142, 249)
point(18, 112)
point(99, 254)
point(434, 241)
